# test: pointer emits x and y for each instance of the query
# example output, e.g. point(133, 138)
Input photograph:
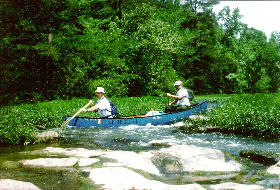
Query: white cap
point(178, 83)
point(100, 89)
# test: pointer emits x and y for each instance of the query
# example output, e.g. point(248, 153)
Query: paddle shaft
point(80, 110)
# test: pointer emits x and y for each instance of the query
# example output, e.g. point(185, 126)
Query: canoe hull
point(162, 119)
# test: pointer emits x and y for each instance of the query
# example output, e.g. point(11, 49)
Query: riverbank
point(254, 115)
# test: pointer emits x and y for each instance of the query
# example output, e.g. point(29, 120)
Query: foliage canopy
point(63, 49)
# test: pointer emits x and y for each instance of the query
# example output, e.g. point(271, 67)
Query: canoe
point(157, 118)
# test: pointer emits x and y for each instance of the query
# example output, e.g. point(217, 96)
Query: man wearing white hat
point(103, 105)
point(180, 100)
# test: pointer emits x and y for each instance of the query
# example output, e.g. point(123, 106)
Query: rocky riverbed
point(173, 167)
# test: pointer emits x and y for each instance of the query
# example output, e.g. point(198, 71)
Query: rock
point(275, 169)
point(46, 136)
point(235, 186)
point(197, 178)
point(195, 158)
point(263, 157)
point(160, 144)
point(205, 129)
point(87, 161)
point(125, 179)
point(76, 152)
point(272, 182)
point(9, 184)
point(167, 163)
point(51, 162)
point(135, 160)
point(175, 159)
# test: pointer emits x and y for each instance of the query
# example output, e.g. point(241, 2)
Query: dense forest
point(61, 49)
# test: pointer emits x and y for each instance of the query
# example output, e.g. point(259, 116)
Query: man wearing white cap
point(181, 99)
point(103, 105)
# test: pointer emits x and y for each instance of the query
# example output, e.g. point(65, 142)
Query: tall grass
point(256, 115)
point(18, 123)
point(251, 115)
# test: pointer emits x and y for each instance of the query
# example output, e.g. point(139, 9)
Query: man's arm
point(174, 97)
point(93, 109)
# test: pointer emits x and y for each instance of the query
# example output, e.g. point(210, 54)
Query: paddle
point(63, 125)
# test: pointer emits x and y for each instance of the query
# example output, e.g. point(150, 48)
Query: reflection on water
point(143, 137)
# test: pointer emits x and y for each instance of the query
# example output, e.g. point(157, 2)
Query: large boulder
point(193, 158)
point(9, 184)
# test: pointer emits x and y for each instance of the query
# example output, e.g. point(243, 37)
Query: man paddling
point(103, 106)
point(180, 100)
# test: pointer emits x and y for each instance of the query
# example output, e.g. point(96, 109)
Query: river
point(130, 138)
point(139, 138)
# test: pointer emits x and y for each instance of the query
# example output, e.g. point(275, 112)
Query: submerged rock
point(46, 136)
point(236, 186)
point(51, 162)
point(126, 179)
point(10, 164)
point(160, 144)
point(262, 157)
point(272, 182)
point(9, 184)
point(59, 162)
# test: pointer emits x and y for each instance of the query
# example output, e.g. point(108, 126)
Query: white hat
point(178, 83)
point(100, 89)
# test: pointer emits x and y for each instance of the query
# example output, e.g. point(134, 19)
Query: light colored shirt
point(104, 107)
point(185, 100)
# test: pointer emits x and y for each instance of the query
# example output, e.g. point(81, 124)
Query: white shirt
point(104, 108)
point(185, 100)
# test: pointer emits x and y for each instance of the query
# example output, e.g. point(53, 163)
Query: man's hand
point(168, 95)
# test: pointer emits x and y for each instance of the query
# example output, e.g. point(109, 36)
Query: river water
point(138, 138)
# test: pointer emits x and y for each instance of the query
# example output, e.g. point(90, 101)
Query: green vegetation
point(63, 49)
point(249, 115)
point(19, 122)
